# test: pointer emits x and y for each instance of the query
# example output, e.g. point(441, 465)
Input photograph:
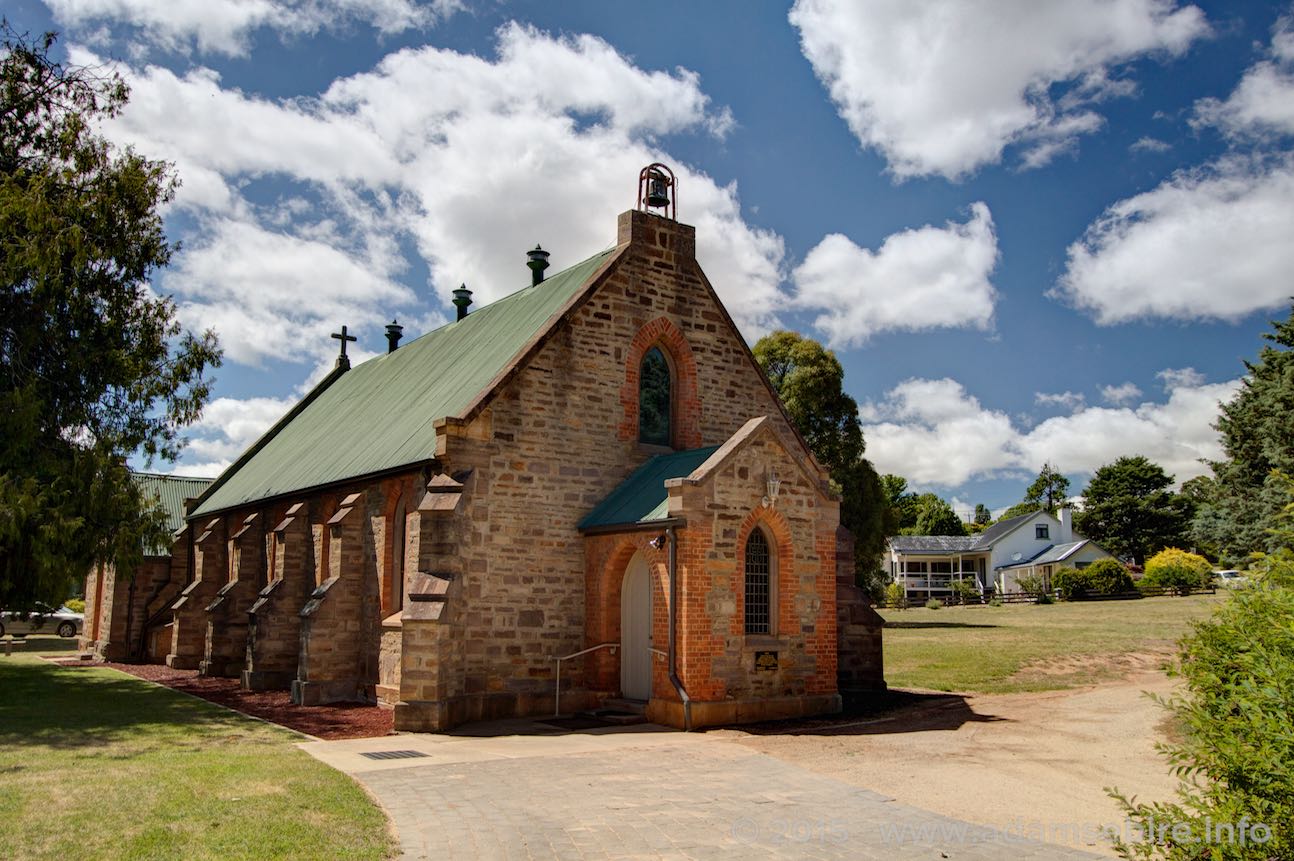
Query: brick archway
point(602, 604)
point(686, 406)
point(777, 529)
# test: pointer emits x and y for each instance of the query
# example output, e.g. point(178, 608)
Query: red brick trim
point(775, 525)
point(685, 411)
point(603, 586)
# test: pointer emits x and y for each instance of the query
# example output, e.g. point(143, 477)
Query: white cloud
point(945, 87)
point(935, 433)
point(224, 26)
point(1066, 399)
point(1120, 395)
point(227, 427)
point(540, 144)
point(1205, 244)
point(1149, 144)
point(1262, 103)
point(925, 278)
point(1180, 378)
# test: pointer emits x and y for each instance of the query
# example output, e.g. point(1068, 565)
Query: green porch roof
point(641, 498)
point(379, 415)
point(170, 491)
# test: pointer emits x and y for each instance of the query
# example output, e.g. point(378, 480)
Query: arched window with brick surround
point(655, 399)
point(761, 584)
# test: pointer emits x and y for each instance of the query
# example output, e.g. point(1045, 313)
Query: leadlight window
point(758, 583)
point(654, 399)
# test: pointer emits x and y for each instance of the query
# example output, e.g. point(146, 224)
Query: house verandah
point(925, 573)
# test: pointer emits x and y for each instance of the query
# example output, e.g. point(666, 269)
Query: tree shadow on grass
point(938, 625)
point(46, 705)
point(883, 713)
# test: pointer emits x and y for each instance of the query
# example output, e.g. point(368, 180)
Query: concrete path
point(516, 790)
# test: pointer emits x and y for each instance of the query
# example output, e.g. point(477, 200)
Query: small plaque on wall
point(766, 661)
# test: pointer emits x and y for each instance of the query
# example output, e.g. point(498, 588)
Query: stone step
point(619, 711)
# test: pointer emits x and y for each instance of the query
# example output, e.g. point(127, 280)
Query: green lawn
point(1026, 647)
point(98, 764)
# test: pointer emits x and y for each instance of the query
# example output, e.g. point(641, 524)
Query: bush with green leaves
point(895, 597)
point(1177, 570)
point(934, 604)
point(1032, 584)
point(1070, 583)
point(76, 605)
point(1236, 758)
point(966, 591)
point(1108, 577)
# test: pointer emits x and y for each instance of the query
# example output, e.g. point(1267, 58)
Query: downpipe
point(673, 630)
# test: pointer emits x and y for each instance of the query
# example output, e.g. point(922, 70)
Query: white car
point(41, 619)
point(1230, 579)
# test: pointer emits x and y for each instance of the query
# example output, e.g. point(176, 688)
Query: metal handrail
point(557, 695)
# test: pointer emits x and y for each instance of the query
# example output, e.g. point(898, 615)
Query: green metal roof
point(380, 414)
point(641, 498)
point(170, 491)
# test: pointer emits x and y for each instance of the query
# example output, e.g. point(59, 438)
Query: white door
point(635, 631)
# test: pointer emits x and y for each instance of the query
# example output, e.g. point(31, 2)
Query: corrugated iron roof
point(958, 543)
point(933, 543)
point(171, 491)
point(379, 415)
point(641, 498)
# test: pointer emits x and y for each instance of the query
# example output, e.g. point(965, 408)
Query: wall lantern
point(774, 486)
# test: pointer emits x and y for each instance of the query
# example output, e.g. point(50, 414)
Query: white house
point(1031, 544)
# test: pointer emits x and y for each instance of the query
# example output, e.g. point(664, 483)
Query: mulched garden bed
point(339, 720)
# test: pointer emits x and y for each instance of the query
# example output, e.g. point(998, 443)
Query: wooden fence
point(1032, 598)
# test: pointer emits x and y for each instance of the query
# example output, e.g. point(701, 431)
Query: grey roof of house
point(1051, 555)
point(933, 543)
point(958, 543)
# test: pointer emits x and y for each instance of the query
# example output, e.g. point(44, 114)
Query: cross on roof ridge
point(342, 360)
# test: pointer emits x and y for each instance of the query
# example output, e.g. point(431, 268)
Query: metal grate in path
point(393, 754)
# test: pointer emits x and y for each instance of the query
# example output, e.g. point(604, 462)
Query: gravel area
point(336, 721)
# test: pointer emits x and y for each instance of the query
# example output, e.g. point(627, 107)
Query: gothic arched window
point(654, 397)
point(759, 584)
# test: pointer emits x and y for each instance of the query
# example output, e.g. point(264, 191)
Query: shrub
point(1103, 577)
point(1235, 762)
point(966, 591)
point(1177, 570)
point(1108, 577)
point(895, 597)
point(1032, 584)
point(1070, 583)
point(934, 604)
point(76, 605)
point(995, 601)
point(1044, 598)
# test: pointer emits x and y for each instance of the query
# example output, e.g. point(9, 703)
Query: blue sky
point(1031, 231)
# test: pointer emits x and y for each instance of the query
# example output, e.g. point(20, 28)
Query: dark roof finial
point(393, 332)
point(537, 260)
point(462, 298)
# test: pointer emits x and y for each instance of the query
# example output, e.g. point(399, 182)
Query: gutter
point(673, 630)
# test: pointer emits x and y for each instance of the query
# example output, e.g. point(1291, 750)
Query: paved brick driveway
point(642, 794)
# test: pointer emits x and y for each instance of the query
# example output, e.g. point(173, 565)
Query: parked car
point(41, 619)
point(1230, 579)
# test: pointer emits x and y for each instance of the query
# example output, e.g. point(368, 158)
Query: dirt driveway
point(1034, 764)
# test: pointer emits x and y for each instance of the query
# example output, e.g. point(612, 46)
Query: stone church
point(585, 492)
